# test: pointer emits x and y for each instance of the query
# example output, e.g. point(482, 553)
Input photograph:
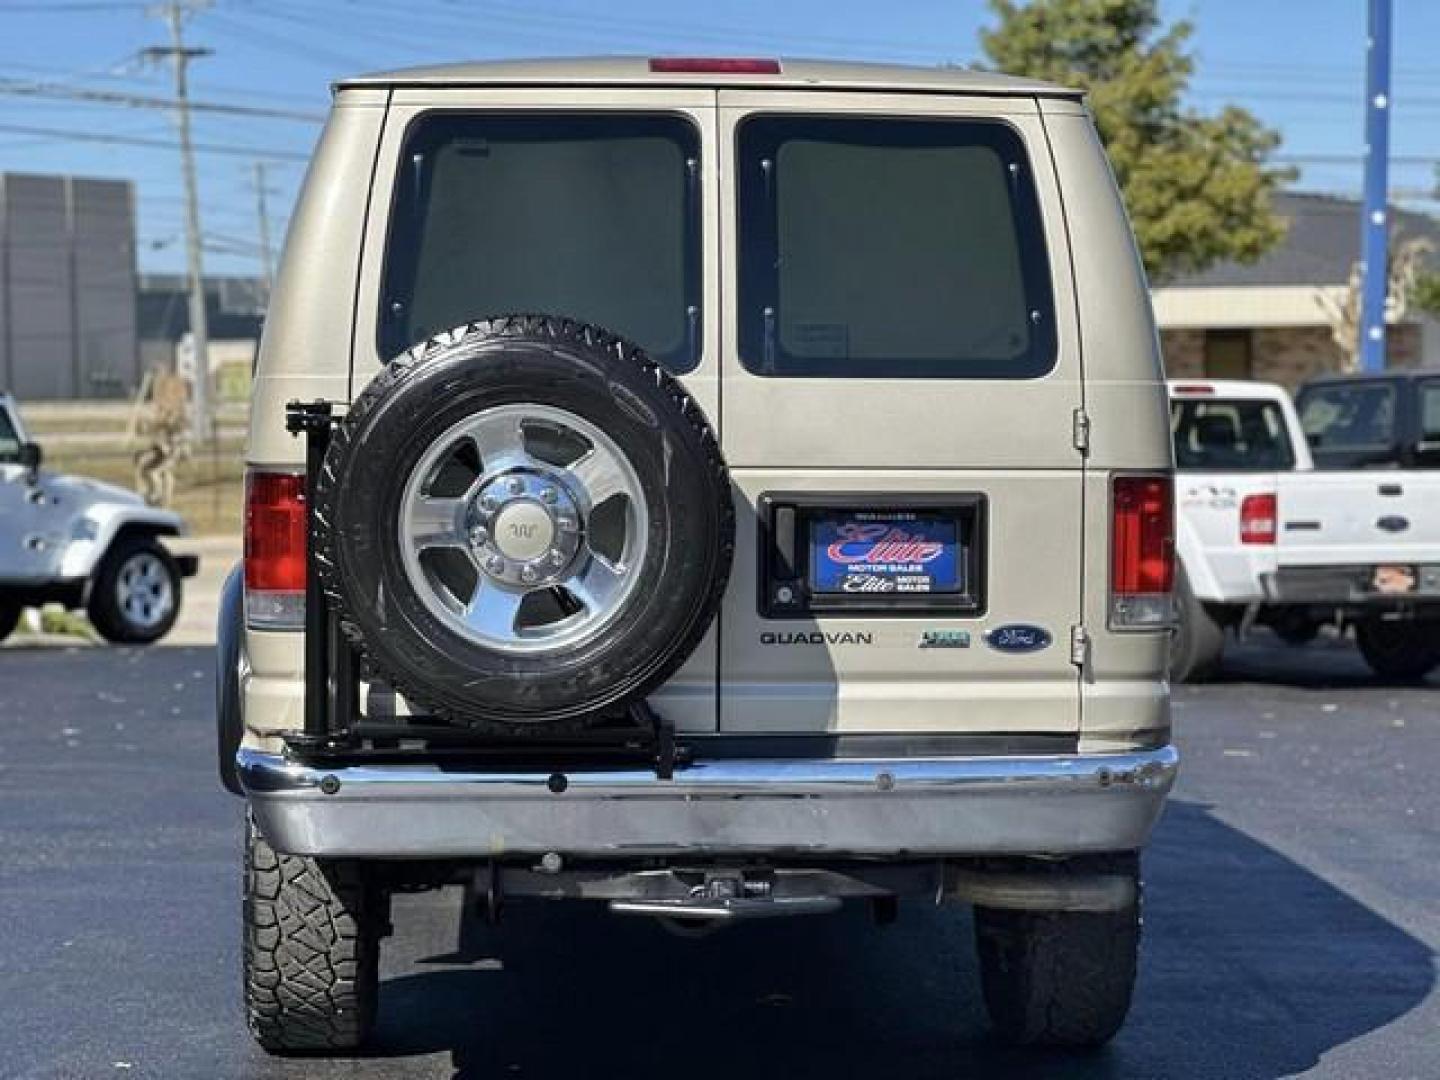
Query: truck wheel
point(9, 618)
point(135, 597)
point(1198, 641)
point(1058, 978)
point(1399, 650)
point(524, 523)
point(311, 950)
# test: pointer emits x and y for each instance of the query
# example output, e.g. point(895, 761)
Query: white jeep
point(84, 544)
point(716, 489)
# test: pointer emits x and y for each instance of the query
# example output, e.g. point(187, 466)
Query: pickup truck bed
point(1266, 536)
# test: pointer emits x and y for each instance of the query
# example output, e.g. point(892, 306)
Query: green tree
point(1197, 187)
point(1426, 294)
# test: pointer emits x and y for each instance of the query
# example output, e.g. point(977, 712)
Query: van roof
point(637, 71)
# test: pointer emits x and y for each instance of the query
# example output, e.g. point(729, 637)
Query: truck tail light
point(275, 567)
point(1142, 551)
point(1258, 515)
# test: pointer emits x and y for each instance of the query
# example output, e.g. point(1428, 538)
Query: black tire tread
point(1058, 979)
point(1198, 642)
point(9, 618)
point(561, 331)
point(311, 950)
point(1411, 651)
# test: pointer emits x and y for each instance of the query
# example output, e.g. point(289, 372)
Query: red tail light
point(1258, 515)
point(1142, 551)
point(275, 550)
point(714, 65)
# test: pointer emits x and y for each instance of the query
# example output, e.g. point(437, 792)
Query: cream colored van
point(717, 489)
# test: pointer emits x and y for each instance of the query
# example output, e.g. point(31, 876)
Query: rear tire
point(1060, 979)
point(311, 950)
point(1198, 642)
point(1405, 651)
point(9, 618)
point(135, 598)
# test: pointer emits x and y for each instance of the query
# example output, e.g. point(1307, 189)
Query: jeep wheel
point(9, 618)
point(135, 598)
point(1198, 641)
point(311, 949)
point(1404, 651)
point(1058, 978)
point(524, 522)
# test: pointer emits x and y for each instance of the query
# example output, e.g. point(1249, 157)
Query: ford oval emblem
point(1394, 523)
point(1018, 638)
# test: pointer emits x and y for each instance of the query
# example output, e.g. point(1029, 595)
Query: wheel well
point(130, 530)
point(137, 530)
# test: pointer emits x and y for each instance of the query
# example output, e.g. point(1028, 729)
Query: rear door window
point(889, 248)
point(1430, 411)
point(1350, 425)
point(1230, 436)
point(590, 216)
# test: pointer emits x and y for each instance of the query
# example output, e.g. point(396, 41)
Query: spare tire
point(524, 523)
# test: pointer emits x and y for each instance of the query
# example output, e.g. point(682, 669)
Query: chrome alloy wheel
point(143, 591)
point(523, 528)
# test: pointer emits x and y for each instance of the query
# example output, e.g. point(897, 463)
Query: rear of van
point(905, 307)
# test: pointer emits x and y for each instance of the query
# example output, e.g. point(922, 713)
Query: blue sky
point(1297, 63)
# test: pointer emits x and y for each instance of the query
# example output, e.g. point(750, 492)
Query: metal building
point(67, 287)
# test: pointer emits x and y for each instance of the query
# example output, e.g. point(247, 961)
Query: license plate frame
point(793, 583)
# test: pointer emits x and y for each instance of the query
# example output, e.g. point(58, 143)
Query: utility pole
point(174, 13)
point(1375, 223)
point(267, 257)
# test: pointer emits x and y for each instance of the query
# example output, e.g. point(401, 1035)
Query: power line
point(112, 76)
point(306, 50)
point(153, 144)
point(70, 5)
point(20, 88)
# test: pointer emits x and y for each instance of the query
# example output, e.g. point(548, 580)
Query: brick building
point(1265, 320)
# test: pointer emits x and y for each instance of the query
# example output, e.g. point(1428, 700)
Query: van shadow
point(1246, 953)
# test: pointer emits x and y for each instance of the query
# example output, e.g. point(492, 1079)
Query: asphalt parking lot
point(1292, 922)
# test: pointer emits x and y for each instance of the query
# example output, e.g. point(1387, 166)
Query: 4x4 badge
point(1018, 638)
point(945, 639)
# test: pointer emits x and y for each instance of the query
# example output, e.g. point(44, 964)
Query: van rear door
point(899, 414)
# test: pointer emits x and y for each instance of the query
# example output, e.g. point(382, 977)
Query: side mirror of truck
point(30, 458)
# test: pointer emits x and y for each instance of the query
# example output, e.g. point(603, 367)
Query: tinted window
point(9, 440)
point(592, 217)
point(1430, 411)
point(1349, 424)
point(890, 248)
point(1230, 435)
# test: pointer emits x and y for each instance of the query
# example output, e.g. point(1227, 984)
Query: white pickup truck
point(1295, 516)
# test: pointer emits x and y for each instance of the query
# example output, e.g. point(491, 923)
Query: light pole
point(1375, 222)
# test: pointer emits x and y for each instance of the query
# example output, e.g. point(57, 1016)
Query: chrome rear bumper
point(1060, 805)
